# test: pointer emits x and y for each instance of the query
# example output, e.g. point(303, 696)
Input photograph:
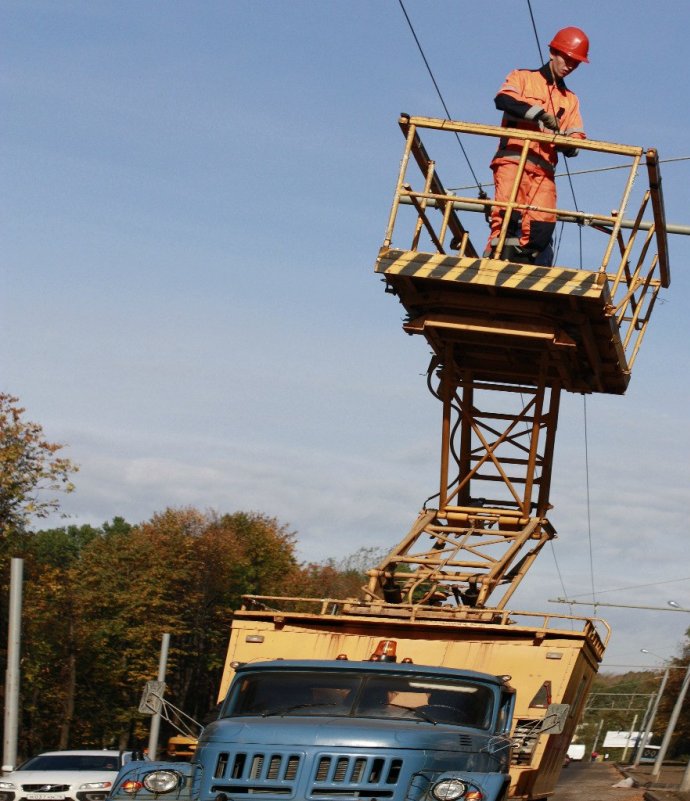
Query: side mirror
point(555, 718)
point(152, 698)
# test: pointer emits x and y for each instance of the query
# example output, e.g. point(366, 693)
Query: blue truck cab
point(340, 730)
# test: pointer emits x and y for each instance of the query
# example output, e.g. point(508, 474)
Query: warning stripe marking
point(491, 272)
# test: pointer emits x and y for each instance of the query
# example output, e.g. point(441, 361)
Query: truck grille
point(343, 775)
point(245, 772)
point(320, 775)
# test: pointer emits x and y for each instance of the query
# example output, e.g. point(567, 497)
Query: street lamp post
point(671, 726)
point(685, 782)
point(652, 714)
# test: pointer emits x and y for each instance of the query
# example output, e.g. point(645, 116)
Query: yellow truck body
point(551, 659)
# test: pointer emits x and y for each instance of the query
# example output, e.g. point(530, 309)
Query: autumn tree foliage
point(31, 472)
point(98, 600)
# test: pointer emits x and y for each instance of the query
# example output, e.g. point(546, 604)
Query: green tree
point(182, 572)
point(30, 469)
point(49, 646)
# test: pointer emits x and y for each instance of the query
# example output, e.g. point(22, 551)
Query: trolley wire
point(589, 504)
point(633, 587)
point(440, 96)
point(478, 185)
point(553, 109)
point(585, 431)
point(582, 172)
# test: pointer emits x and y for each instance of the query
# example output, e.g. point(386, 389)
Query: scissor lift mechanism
point(506, 339)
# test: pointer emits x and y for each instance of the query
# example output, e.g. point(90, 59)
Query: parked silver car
point(64, 776)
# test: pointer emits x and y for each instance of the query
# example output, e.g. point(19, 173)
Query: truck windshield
point(430, 699)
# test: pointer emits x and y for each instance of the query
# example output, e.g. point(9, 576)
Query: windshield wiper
point(417, 712)
point(285, 709)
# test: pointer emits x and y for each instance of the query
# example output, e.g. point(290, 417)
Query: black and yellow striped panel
point(492, 273)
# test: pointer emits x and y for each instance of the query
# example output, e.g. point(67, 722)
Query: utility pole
point(14, 632)
point(685, 781)
point(627, 747)
point(650, 720)
point(596, 739)
point(656, 770)
point(156, 719)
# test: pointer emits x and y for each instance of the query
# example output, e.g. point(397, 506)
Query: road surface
point(593, 781)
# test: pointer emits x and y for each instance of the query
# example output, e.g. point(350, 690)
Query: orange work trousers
point(529, 228)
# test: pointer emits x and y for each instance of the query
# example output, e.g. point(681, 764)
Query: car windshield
point(431, 699)
point(71, 762)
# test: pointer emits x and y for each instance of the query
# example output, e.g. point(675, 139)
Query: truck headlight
point(162, 781)
point(448, 790)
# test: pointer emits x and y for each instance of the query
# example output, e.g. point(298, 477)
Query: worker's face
point(562, 65)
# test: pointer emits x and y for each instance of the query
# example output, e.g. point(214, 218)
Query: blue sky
point(195, 194)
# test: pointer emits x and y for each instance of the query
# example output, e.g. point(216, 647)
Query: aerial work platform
point(579, 328)
point(506, 338)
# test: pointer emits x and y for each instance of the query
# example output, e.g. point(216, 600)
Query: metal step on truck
point(482, 700)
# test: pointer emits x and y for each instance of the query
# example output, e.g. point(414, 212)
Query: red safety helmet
point(572, 42)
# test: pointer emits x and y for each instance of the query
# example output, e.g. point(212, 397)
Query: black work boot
point(518, 254)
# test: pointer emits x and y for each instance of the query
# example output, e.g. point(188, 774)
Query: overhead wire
point(633, 587)
point(478, 185)
point(583, 172)
point(589, 505)
point(553, 109)
point(587, 483)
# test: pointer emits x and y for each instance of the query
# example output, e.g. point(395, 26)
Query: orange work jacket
point(523, 95)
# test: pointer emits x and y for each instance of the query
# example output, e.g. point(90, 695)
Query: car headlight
point(95, 786)
point(162, 781)
point(7, 786)
point(448, 790)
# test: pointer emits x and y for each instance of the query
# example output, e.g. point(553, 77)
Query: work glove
point(549, 121)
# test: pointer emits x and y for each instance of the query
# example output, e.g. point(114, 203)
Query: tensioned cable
point(589, 506)
point(479, 186)
point(553, 109)
point(438, 92)
point(583, 172)
point(560, 575)
point(634, 586)
point(572, 190)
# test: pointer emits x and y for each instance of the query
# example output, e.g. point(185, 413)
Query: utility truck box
point(551, 660)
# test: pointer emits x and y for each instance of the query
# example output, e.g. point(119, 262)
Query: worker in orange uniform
point(535, 100)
